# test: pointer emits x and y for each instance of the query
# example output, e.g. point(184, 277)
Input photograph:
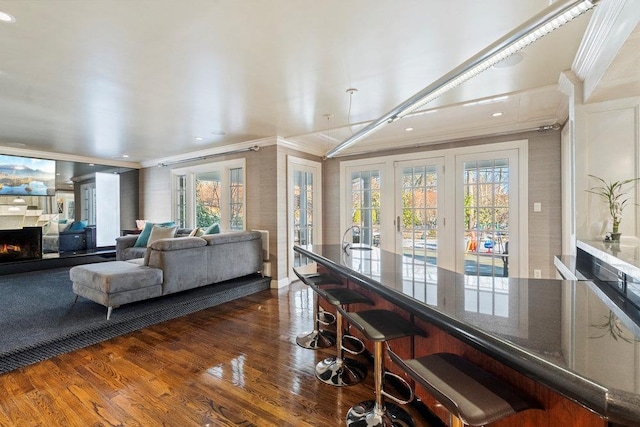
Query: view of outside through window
point(181, 200)
point(302, 212)
point(419, 220)
point(365, 193)
point(208, 187)
point(486, 217)
point(236, 204)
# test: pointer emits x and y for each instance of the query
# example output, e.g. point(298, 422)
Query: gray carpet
point(38, 319)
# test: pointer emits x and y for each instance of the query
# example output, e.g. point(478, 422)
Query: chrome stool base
point(340, 374)
point(365, 414)
point(316, 339)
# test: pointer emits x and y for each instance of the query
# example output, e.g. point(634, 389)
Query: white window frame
point(190, 173)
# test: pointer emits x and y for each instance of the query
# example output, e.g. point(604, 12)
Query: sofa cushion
point(143, 237)
point(158, 232)
point(174, 244)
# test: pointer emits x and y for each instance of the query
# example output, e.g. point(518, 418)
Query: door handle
point(398, 223)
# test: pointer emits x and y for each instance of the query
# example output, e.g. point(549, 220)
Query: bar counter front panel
point(561, 334)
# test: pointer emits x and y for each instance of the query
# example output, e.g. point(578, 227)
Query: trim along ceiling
point(143, 81)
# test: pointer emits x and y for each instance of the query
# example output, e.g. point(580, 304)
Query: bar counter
point(562, 334)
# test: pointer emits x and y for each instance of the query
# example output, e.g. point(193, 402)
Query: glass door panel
point(364, 222)
point(305, 214)
point(417, 223)
point(486, 217)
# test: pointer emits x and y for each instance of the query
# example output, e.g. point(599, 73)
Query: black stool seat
point(341, 296)
point(470, 393)
point(381, 325)
point(318, 279)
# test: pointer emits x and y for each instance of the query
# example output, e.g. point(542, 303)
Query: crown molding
point(294, 145)
point(610, 25)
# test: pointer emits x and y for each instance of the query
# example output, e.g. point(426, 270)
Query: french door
point(305, 214)
point(461, 209)
point(487, 214)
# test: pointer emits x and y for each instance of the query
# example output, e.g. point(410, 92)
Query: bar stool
point(318, 338)
point(473, 396)
point(339, 370)
point(381, 326)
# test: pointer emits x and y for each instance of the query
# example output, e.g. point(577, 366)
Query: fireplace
point(21, 244)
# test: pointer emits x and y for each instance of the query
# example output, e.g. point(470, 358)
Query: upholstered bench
point(115, 283)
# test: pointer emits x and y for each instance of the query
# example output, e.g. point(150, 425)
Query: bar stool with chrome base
point(339, 370)
point(318, 338)
point(381, 326)
point(473, 396)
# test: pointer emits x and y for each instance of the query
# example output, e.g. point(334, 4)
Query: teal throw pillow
point(143, 237)
point(78, 226)
point(213, 229)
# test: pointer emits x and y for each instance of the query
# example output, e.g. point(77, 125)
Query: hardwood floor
point(232, 365)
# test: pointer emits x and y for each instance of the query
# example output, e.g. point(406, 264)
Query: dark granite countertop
point(565, 334)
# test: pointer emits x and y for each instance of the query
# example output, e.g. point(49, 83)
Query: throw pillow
point(62, 226)
point(143, 237)
point(213, 229)
point(78, 226)
point(196, 232)
point(161, 232)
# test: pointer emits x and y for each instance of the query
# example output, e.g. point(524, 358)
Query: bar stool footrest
point(340, 373)
point(365, 414)
point(316, 339)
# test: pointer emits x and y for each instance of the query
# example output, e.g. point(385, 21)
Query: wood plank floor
point(232, 365)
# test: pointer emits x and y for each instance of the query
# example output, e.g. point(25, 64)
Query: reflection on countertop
point(570, 326)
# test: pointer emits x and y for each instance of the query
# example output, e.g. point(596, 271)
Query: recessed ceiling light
point(409, 129)
point(199, 138)
point(125, 156)
point(5, 17)
point(498, 114)
point(91, 164)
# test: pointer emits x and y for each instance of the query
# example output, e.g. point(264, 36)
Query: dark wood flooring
point(232, 365)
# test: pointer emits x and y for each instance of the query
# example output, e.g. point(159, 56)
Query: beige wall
point(266, 197)
point(544, 187)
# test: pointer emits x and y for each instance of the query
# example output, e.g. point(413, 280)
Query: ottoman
point(115, 283)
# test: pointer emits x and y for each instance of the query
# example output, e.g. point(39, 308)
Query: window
point(180, 205)
point(208, 194)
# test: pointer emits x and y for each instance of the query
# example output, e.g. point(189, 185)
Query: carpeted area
point(38, 319)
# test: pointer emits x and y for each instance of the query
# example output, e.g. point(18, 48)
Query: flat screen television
point(25, 176)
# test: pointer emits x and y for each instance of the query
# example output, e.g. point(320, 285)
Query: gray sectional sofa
point(167, 266)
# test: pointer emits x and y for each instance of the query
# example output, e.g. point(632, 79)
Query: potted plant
point(613, 194)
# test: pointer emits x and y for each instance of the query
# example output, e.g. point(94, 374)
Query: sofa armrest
point(123, 243)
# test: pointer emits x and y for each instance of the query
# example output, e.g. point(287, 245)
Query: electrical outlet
point(537, 274)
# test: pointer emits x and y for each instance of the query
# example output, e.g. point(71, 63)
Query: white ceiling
point(144, 78)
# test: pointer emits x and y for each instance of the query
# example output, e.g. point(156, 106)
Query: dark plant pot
point(615, 236)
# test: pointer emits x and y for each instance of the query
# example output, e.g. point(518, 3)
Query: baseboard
point(277, 284)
